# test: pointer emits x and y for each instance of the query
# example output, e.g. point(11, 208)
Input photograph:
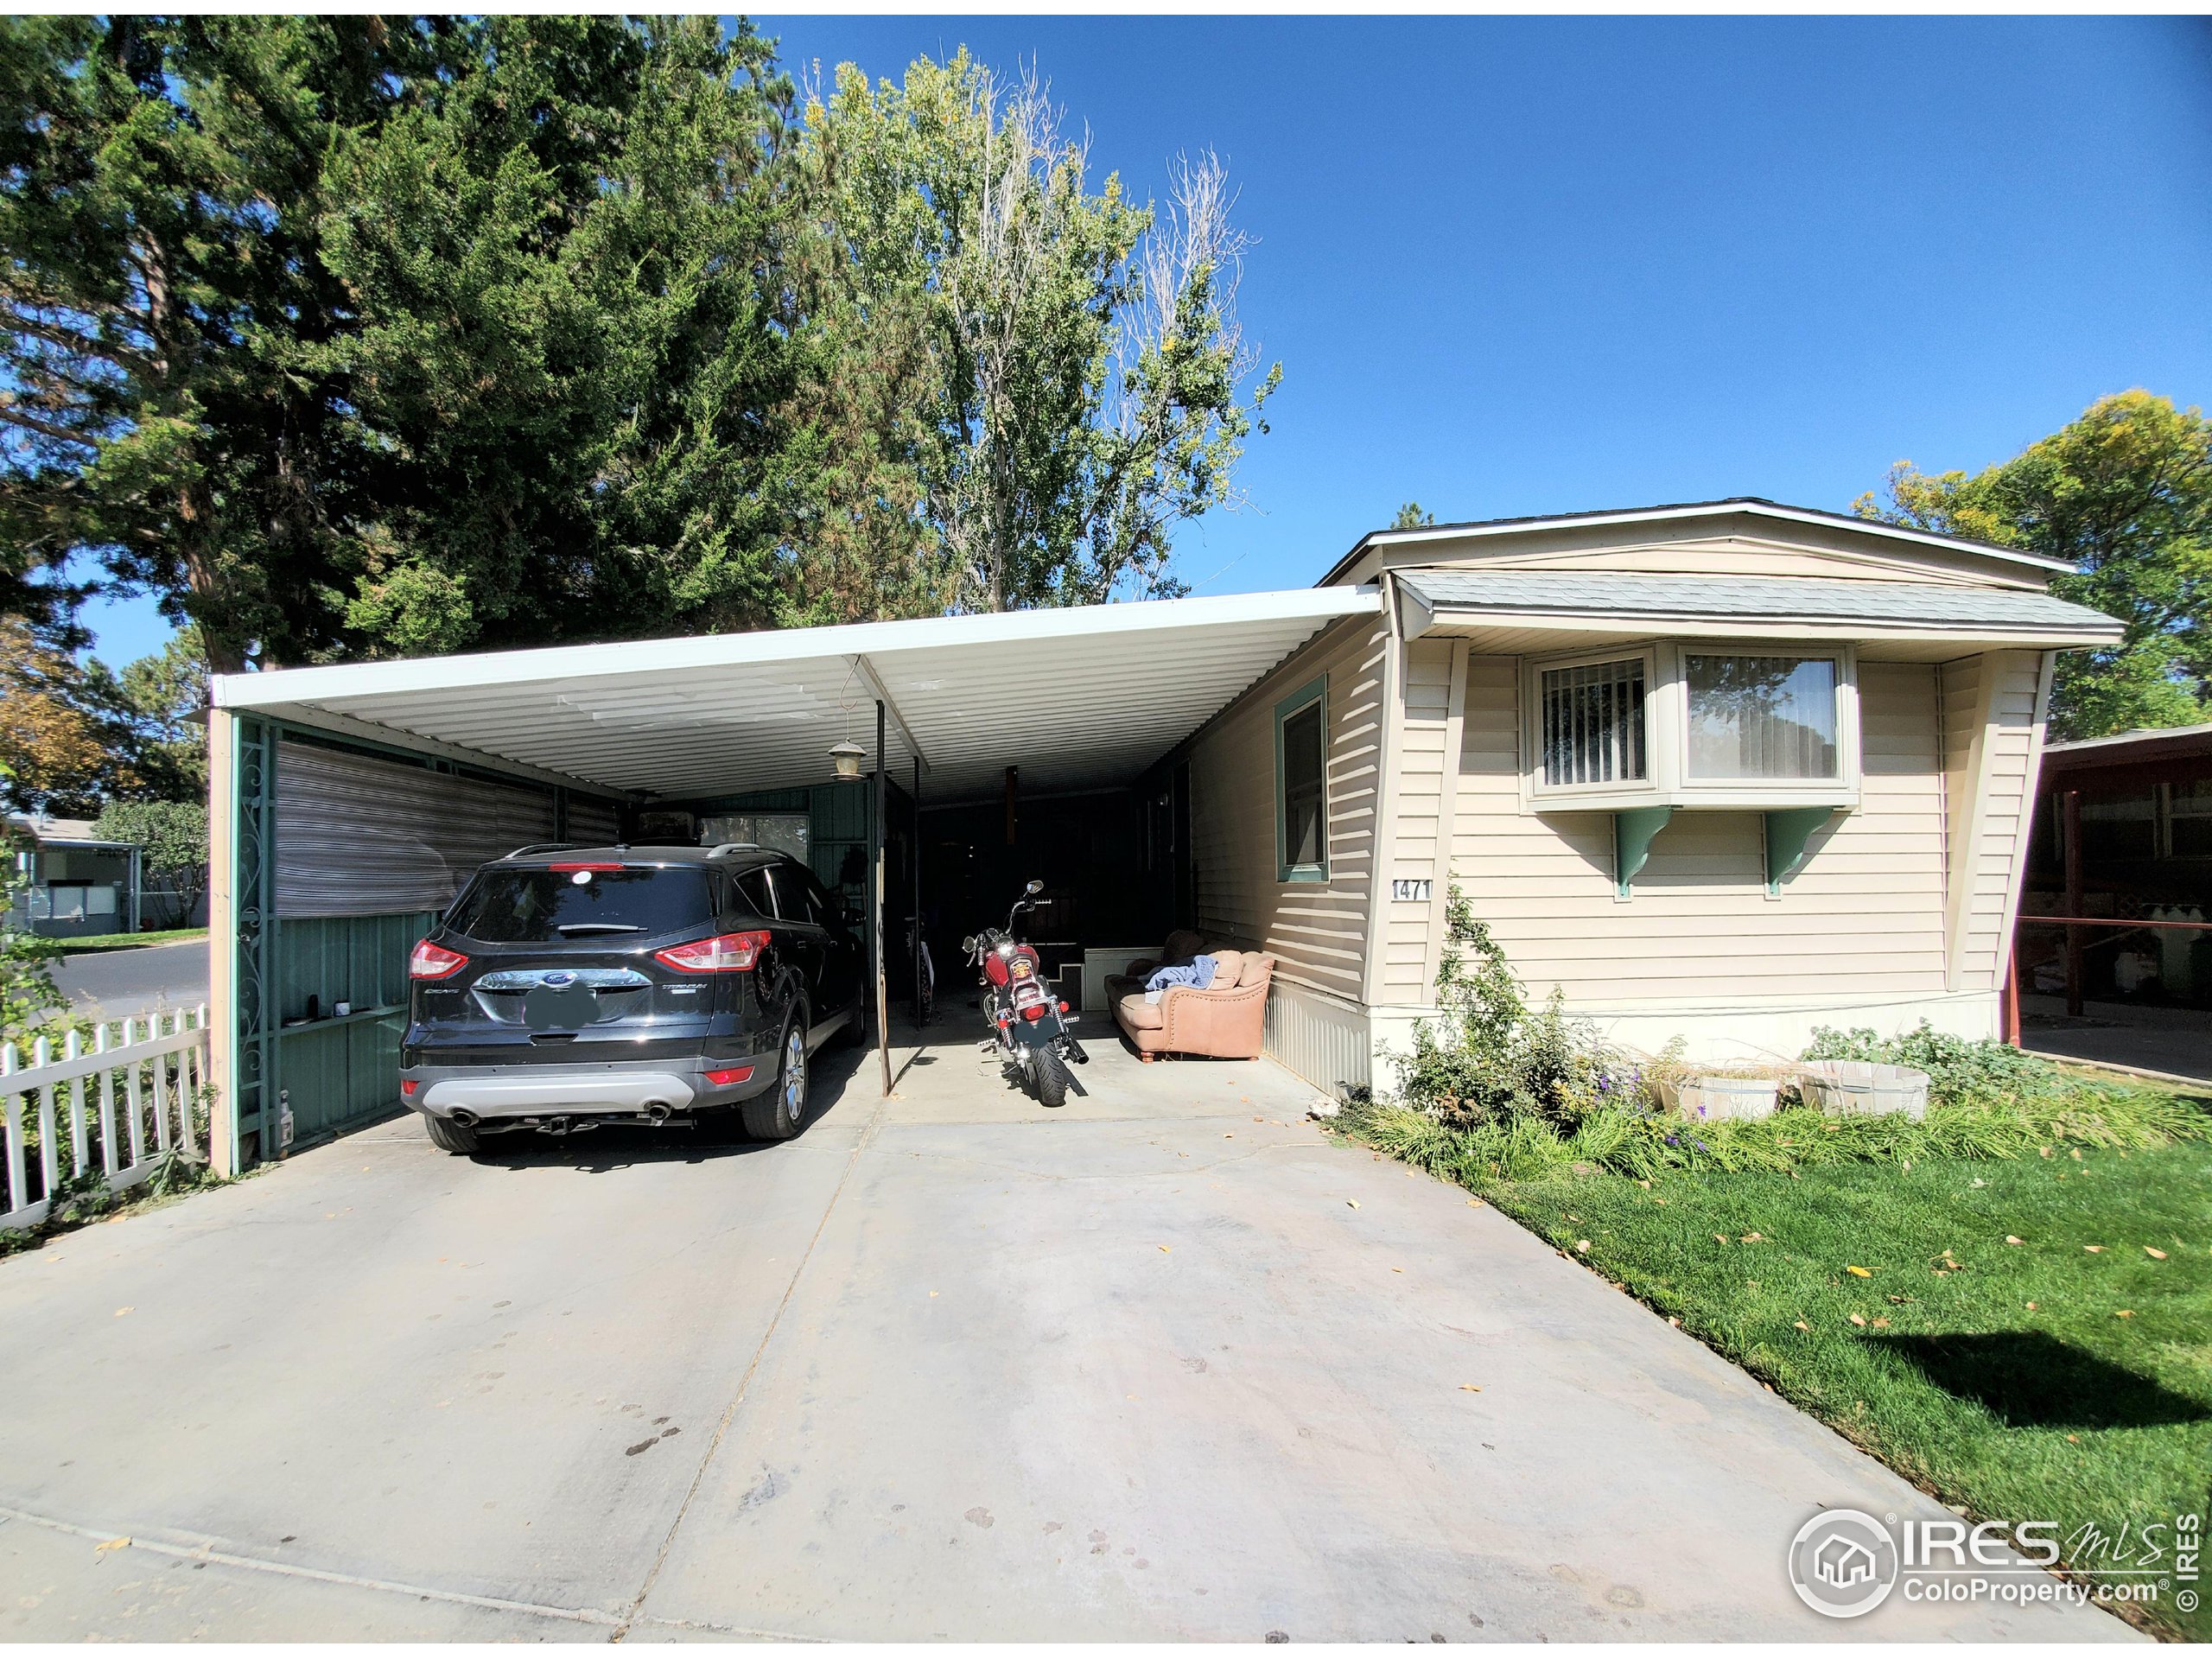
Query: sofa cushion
point(1182, 945)
point(1138, 1015)
point(1227, 964)
point(1255, 968)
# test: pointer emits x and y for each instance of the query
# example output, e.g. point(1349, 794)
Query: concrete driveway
point(1168, 1363)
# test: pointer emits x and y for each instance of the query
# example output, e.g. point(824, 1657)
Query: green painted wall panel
point(338, 1074)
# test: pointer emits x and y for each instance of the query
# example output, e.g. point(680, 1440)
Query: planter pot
point(1716, 1097)
point(1863, 1086)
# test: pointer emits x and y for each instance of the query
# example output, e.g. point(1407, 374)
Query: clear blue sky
point(1532, 266)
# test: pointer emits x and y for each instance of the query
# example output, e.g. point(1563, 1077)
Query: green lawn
point(2040, 1380)
point(130, 941)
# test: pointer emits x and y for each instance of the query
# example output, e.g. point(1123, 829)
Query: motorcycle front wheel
point(1051, 1073)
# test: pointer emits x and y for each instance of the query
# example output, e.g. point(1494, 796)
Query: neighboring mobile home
point(1727, 771)
point(78, 884)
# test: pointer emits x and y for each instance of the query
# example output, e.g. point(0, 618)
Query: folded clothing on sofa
point(1198, 973)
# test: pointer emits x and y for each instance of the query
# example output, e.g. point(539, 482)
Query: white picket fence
point(125, 1099)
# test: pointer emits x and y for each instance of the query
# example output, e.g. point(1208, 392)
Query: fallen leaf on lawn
point(2154, 1252)
point(1720, 1238)
point(1978, 1181)
point(2076, 1438)
point(1474, 1204)
point(1646, 1186)
point(1858, 1320)
point(2123, 1313)
point(112, 1543)
point(1858, 1273)
point(1881, 1324)
point(1752, 1239)
point(1581, 1243)
point(1801, 1325)
point(2013, 1239)
point(2076, 1155)
point(2095, 1250)
point(1571, 1216)
point(1673, 1320)
point(2045, 1151)
point(2031, 1307)
point(1470, 1388)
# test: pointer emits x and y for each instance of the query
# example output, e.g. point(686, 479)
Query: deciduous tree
point(2124, 495)
point(172, 836)
point(1079, 378)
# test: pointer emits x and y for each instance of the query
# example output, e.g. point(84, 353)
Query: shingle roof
point(1762, 599)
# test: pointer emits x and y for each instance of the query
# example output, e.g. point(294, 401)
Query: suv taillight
point(726, 953)
point(429, 960)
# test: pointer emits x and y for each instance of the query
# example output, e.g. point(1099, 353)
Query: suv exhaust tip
point(464, 1117)
point(657, 1112)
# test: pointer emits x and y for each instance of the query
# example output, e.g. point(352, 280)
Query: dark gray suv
point(570, 986)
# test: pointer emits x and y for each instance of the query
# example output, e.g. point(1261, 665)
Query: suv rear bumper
point(613, 1088)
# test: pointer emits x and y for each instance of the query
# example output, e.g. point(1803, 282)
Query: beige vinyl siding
point(1419, 825)
point(1317, 930)
point(1863, 916)
point(1722, 558)
point(1992, 725)
point(1745, 545)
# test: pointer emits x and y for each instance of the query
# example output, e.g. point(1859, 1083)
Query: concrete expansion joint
point(862, 1144)
point(207, 1550)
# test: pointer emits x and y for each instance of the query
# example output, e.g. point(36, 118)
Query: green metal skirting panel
point(340, 1074)
point(339, 1071)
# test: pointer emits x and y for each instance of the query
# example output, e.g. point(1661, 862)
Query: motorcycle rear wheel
point(1052, 1075)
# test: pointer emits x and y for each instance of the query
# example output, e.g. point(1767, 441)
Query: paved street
point(1168, 1365)
point(115, 984)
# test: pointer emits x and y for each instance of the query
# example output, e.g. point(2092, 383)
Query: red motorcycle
point(1030, 1024)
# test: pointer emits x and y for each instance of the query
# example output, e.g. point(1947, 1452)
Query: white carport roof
point(1076, 697)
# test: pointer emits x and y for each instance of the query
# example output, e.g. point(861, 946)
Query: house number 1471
point(1416, 888)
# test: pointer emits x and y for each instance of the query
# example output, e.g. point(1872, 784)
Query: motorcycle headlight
point(1005, 949)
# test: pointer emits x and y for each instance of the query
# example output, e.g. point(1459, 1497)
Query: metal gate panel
point(359, 836)
point(591, 823)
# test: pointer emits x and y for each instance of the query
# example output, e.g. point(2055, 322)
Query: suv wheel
point(778, 1115)
point(451, 1136)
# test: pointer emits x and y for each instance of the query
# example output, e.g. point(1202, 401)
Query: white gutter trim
point(1710, 510)
point(341, 681)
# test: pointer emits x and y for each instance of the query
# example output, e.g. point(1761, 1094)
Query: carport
point(350, 801)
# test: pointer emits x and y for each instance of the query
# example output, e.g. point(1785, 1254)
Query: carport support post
point(876, 904)
point(223, 940)
point(915, 852)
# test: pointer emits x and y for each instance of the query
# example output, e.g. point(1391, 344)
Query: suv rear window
point(540, 906)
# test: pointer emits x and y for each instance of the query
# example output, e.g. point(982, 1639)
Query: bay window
point(1692, 723)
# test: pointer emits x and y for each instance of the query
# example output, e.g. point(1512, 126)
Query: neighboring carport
point(351, 800)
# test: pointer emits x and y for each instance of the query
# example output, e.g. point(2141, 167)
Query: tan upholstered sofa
point(1223, 1021)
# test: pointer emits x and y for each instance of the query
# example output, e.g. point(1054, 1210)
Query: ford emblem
point(560, 977)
